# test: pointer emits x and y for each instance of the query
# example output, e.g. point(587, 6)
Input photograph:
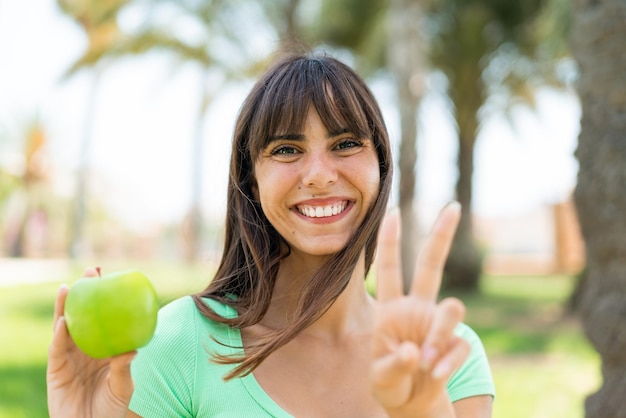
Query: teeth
point(323, 211)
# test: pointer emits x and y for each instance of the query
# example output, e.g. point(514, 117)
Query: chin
point(322, 250)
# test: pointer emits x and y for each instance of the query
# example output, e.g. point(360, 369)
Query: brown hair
point(245, 278)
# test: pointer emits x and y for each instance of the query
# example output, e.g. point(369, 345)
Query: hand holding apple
point(113, 314)
point(78, 385)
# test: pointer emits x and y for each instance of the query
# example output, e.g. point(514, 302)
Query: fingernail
point(98, 270)
point(441, 370)
point(454, 204)
point(428, 356)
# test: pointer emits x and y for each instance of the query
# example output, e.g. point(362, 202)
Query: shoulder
point(177, 310)
point(174, 339)
point(466, 332)
point(167, 371)
point(474, 377)
point(180, 322)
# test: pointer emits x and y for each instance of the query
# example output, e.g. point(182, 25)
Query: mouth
point(323, 211)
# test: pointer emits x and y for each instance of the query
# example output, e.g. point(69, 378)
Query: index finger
point(59, 304)
point(388, 267)
point(432, 259)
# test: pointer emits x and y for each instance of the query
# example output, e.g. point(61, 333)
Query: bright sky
point(146, 111)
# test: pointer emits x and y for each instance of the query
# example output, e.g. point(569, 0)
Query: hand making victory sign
point(414, 348)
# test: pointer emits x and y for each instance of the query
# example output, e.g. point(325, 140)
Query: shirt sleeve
point(163, 371)
point(474, 377)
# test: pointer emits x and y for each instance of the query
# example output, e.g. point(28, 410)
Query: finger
point(448, 313)
point(389, 271)
point(452, 360)
point(392, 375)
point(120, 379)
point(92, 272)
point(59, 304)
point(432, 259)
point(58, 347)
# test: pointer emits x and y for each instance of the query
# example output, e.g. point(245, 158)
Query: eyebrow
point(300, 137)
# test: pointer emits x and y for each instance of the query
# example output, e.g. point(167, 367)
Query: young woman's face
point(315, 186)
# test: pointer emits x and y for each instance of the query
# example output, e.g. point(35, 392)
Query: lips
point(322, 211)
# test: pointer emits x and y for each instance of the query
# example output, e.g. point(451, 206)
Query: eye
point(348, 143)
point(286, 150)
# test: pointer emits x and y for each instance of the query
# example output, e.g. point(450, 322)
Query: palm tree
point(597, 42)
point(485, 47)
point(98, 20)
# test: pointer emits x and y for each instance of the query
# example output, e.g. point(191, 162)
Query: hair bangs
point(282, 109)
point(338, 104)
point(287, 97)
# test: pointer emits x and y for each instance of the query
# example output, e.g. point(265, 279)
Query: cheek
point(374, 187)
point(270, 185)
point(370, 178)
point(261, 182)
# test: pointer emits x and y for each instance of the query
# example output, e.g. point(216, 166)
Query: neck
point(350, 313)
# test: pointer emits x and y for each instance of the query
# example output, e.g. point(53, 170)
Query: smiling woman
point(290, 149)
point(287, 327)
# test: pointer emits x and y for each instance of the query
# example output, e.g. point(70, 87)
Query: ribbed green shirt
point(174, 376)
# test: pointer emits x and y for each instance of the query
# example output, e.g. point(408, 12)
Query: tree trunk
point(79, 218)
point(464, 264)
point(598, 36)
point(195, 222)
point(406, 62)
point(292, 32)
point(467, 93)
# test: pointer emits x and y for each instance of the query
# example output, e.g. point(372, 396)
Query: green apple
point(112, 314)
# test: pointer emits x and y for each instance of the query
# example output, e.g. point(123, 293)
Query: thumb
point(59, 346)
point(120, 379)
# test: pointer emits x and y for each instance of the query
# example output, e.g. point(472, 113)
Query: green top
point(174, 376)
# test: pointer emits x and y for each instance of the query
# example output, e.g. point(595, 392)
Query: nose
point(320, 170)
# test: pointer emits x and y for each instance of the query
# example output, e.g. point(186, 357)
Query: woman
point(286, 327)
